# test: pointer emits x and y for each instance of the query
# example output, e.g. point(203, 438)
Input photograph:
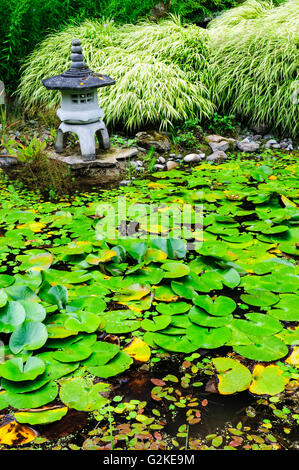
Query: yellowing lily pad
point(232, 375)
point(267, 380)
point(15, 434)
point(138, 350)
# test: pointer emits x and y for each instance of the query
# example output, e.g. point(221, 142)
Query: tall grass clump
point(254, 67)
point(249, 10)
point(154, 86)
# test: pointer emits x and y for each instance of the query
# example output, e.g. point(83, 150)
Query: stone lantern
point(79, 111)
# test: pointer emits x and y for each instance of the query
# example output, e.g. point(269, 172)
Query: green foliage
point(137, 55)
point(253, 64)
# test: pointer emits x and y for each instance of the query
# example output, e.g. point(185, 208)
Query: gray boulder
point(219, 155)
point(153, 139)
point(246, 146)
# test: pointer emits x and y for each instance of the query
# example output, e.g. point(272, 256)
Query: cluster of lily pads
point(75, 307)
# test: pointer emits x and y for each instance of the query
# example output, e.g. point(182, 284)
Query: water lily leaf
point(15, 370)
point(75, 353)
point(289, 336)
point(200, 317)
point(208, 338)
point(83, 321)
point(132, 292)
point(230, 277)
point(11, 316)
point(154, 255)
point(183, 290)
point(3, 298)
point(34, 311)
point(157, 323)
point(165, 294)
point(260, 298)
point(3, 402)
point(102, 257)
point(238, 338)
point(28, 336)
point(116, 323)
point(138, 350)
point(258, 324)
point(175, 269)
point(293, 359)
point(180, 321)
point(221, 306)
point(102, 353)
point(44, 415)
point(6, 280)
point(269, 348)
point(39, 262)
point(174, 343)
point(78, 394)
point(15, 434)
point(117, 365)
point(232, 375)
point(267, 380)
point(286, 309)
point(56, 295)
point(34, 399)
point(21, 292)
point(173, 308)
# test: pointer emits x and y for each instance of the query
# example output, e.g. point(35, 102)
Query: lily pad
point(232, 375)
point(41, 416)
point(264, 349)
point(78, 394)
point(267, 380)
point(209, 338)
point(15, 370)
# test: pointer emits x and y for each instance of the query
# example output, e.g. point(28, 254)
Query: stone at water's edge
point(219, 155)
point(107, 158)
point(248, 146)
point(153, 139)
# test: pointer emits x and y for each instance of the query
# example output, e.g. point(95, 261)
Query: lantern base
point(86, 135)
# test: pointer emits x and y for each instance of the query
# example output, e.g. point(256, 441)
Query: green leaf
point(78, 394)
point(11, 316)
point(15, 370)
point(32, 335)
point(265, 349)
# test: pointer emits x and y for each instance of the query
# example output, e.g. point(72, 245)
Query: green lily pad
point(102, 353)
point(174, 343)
point(75, 353)
point(209, 338)
point(269, 348)
point(232, 375)
point(258, 324)
point(286, 309)
point(115, 366)
point(34, 399)
point(15, 370)
point(28, 336)
point(260, 298)
point(43, 416)
point(3, 298)
point(173, 308)
point(78, 394)
point(157, 323)
point(222, 305)
point(175, 269)
point(11, 316)
point(200, 317)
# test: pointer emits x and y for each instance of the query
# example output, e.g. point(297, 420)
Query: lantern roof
point(78, 76)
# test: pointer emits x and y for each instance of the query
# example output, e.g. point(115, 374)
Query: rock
point(268, 136)
point(257, 137)
point(171, 165)
point(178, 157)
point(125, 183)
point(194, 157)
point(290, 147)
point(172, 155)
point(153, 139)
point(217, 142)
point(276, 146)
point(219, 155)
point(139, 163)
point(141, 149)
point(158, 167)
point(161, 160)
point(249, 147)
point(270, 143)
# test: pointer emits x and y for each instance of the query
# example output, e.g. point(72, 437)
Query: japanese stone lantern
point(80, 112)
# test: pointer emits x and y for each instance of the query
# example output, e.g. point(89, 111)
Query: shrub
point(155, 86)
point(254, 66)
